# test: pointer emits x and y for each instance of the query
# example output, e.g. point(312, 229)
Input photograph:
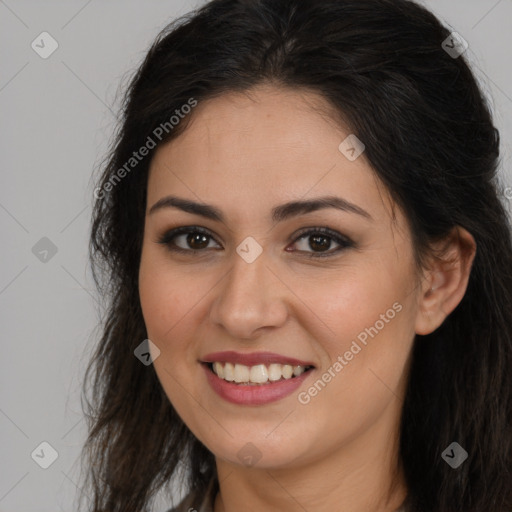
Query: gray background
point(57, 115)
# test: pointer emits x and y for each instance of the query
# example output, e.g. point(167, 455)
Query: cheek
point(371, 328)
point(168, 310)
point(173, 302)
point(165, 296)
point(368, 329)
point(347, 304)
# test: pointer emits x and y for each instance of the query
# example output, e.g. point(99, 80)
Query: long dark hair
point(430, 138)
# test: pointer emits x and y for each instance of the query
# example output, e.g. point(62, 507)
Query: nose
point(250, 299)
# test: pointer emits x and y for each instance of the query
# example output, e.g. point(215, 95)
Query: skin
point(245, 154)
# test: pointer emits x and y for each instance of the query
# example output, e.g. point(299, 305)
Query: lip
point(253, 358)
point(260, 394)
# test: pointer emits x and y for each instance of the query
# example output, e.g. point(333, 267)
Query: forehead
point(265, 146)
point(283, 121)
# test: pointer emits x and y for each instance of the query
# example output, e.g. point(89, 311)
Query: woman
point(301, 238)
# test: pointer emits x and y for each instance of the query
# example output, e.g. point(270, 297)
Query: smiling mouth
point(257, 375)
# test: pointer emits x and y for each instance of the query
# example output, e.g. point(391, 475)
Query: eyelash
point(344, 242)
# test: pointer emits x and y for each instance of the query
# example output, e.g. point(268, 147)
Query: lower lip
point(253, 395)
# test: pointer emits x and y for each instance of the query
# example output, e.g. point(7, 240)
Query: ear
point(446, 280)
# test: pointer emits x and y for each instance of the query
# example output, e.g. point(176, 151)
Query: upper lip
point(253, 358)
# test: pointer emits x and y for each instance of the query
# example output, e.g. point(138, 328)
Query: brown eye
point(196, 240)
point(315, 242)
point(319, 240)
point(186, 239)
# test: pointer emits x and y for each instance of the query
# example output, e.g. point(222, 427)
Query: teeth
point(229, 372)
point(218, 369)
point(274, 372)
point(297, 370)
point(259, 374)
point(287, 371)
point(241, 373)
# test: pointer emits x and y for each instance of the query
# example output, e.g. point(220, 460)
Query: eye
point(194, 239)
point(320, 239)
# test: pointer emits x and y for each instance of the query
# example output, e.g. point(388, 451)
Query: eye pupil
point(197, 237)
point(314, 240)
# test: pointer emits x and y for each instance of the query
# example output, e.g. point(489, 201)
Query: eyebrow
point(279, 213)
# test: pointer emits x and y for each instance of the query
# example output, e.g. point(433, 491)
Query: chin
point(258, 452)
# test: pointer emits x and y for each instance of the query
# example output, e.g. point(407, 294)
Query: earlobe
point(446, 280)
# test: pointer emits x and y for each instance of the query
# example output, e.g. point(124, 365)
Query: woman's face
point(348, 306)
